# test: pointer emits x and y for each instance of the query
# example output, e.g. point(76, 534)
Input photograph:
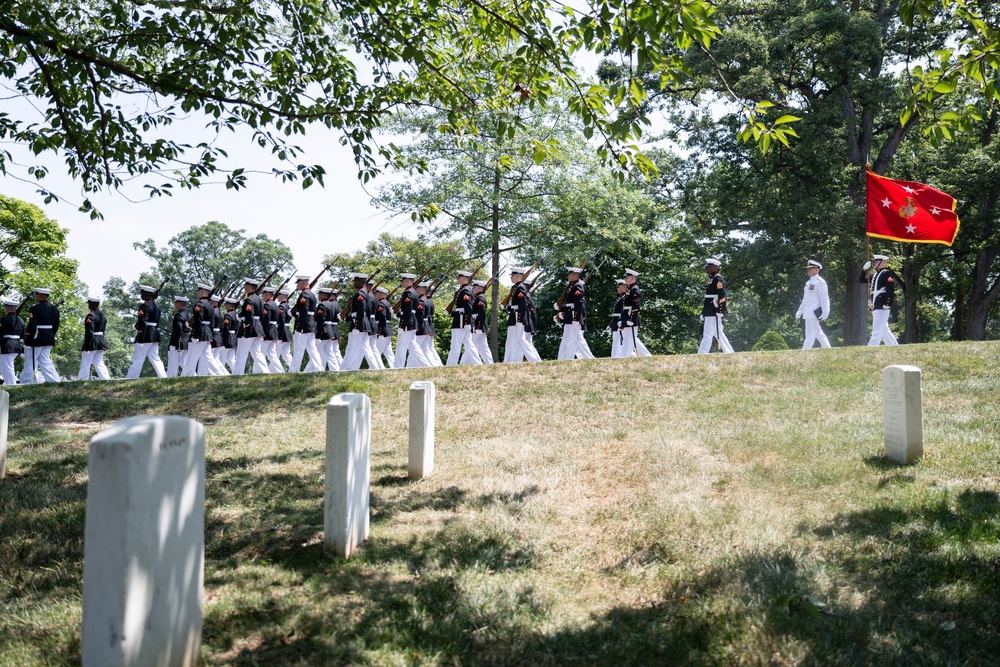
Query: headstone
point(421, 429)
point(4, 413)
point(902, 413)
point(348, 473)
point(144, 544)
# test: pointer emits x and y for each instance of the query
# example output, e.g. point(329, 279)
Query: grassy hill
point(671, 510)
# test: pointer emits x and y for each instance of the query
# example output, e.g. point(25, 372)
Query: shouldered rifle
point(451, 304)
point(287, 280)
point(326, 267)
point(506, 299)
point(435, 284)
point(217, 286)
point(229, 291)
point(260, 288)
point(23, 302)
point(159, 289)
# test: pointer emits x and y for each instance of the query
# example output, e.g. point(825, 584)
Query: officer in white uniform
point(881, 292)
point(815, 306)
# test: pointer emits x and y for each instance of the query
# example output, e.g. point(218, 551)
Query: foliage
point(271, 69)
point(771, 340)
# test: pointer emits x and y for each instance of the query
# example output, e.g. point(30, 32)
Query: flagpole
point(868, 239)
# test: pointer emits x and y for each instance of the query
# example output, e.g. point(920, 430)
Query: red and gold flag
point(910, 212)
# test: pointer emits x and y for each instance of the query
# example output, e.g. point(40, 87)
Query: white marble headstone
point(902, 413)
point(348, 473)
point(421, 459)
point(4, 415)
point(144, 544)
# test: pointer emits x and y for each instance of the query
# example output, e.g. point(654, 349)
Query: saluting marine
point(252, 331)
point(40, 336)
point(180, 337)
point(304, 338)
point(383, 327)
point(519, 322)
point(615, 326)
point(147, 337)
point(480, 321)
point(881, 292)
point(714, 309)
point(12, 329)
point(815, 306)
point(573, 317)
point(94, 343)
point(461, 324)
point(408, 350)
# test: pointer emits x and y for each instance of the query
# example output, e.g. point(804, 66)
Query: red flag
point(910, 212)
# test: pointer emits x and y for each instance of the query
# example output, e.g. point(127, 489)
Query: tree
point(112, 79)
point(33, 254)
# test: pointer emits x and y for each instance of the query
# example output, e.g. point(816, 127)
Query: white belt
point(97, 333)
point(568, 305)
point(627, 308)
point(11, 336)
point(459, 310)
point(44, 326)
point(216, 330)
point(713, 297)
point(151, 324)
point(514, 307)
point(256, 317)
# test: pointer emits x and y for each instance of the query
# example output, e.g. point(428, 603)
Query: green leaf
point(787, 118)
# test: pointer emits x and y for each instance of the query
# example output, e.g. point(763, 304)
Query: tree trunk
point(855, 307)
point(982, 294)
point(495, 307)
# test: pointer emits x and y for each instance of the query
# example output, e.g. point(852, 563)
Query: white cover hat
point(479, 283)
point(251, 281)
point(182, 299)
point(42, 290)
point(359, 276)
point(574, 269)
point(812, 263)
point(516, 269)
point(404, 276)
point(464, 274)
point(93, 299)
point(381, 289)
point(11, 302)
point(631, 272)
point(878, 257)
point(302, 276)
point(146, 288)
point(711, 261)
point(207, 288)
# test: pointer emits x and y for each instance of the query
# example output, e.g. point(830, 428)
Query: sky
point(312, 223)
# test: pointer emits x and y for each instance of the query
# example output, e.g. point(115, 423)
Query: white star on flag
point(886, 202)
point(908, 189)
point(935, 210)
point(911, 229)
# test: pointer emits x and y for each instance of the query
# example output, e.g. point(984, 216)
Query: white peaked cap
point(42, 290)
point(479, 283)
point(204, 287)
point(182, 299)
point(325, 290)
point(812, 263)
point(231, 300)
point(620, 281)
point(878, 257)
point(381, 289)
point(404, 276)
point(9, 302)
point(574, 269)
point(425, 284)
point(146, 288)
point(516, 269)
point(713, 262)
point(251, 281)
point(362, 276)
point(215, 297)
point(93, 299)
point(465, 274)
point(302, 276)
point(631, 272)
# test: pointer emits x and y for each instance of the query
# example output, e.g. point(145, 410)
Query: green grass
point(672, 510)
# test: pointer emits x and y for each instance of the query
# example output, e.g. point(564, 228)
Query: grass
point(672, 510)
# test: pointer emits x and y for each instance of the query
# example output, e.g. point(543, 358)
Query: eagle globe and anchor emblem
point(908, 209)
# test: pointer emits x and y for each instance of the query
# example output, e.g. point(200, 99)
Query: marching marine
point(631, 319)
point(230, 332)
point(615, 327)
point(461, 324)
point(425, 325)
point(572, 307)
point(284, 326)
point(40, 335)
point(94, 343)
point(147, 337)
point(408, 350)
point(815, 306)
point(180, 337)
point(252, 331)
point(12, 328)
point(881, 292)
point(326, 326)
point(713, 309)
point(199, 352)
point(304, 338)
point(383, 327)
point(358, 326)
point(271, 323)
point(480, 321)
point(519, 322)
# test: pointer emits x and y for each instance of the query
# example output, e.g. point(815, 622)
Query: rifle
point(562, 299)
point(229, 291)
point(217, 286)
point(282, 285)
point(326, 267)
point(159, 289)
point(399, 303)
point(260, 288)
point(23, 302)
point(435, 284)
point(506, 299)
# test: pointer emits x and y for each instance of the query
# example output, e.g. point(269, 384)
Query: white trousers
point(38, 357)
point(383, 348)
point(573, 345)
point(329, 354)
point(305, 343)
point(250, 347)
point(459, 338)
point(140, 353)
point(201, 357)
point(269, 348)
point(408, 351)
point(814, 332)
point(175, 361)
point(426, 344)
point(7, 369)
point(617, 336)
point(285, 352)
point(710, 332)
point(519, 346)
point(357, 348)
point(629, 343)
point(371, 353)
point(228, 357)
point(880, 329)
point(90, 358)
point(482, 345)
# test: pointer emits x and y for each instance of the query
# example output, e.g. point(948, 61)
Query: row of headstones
point(144, 539)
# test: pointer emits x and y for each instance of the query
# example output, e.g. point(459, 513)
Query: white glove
point(823, 319)
point(701, 318)
point(867, 266)
point(607, 330)
point(556, 306)
point(798, 314)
